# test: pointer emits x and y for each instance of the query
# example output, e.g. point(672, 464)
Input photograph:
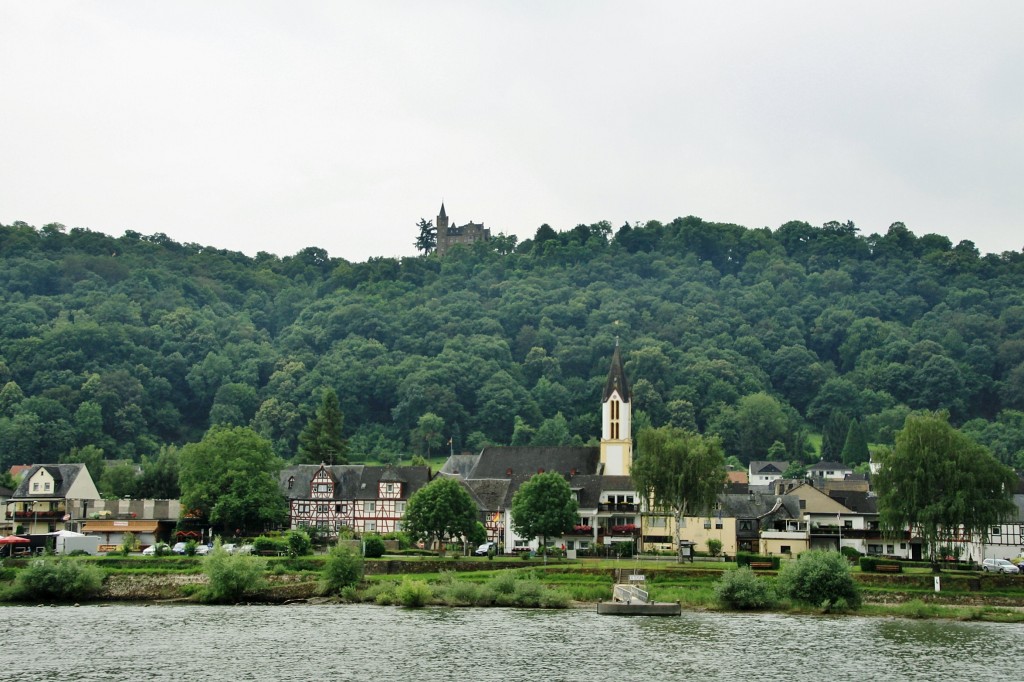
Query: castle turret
point(616, 421)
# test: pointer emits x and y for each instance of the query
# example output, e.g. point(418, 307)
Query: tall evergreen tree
point(426, 241)
point(833, 436)
point(320, 439)
point(855, 450)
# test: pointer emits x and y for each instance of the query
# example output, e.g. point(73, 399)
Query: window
point(903, 545)
point(291, 482)
point(370, 526)
point(995, 530)
point(785, 549)
point(390, 488)
point(847, 524)
point(745, 524)
point(321, 509)
point(46, 486)
point(707, 525)
point(338, 509)
point(323, 488)
point(614, 420)
point(803, 504)
point(569, 544)
point(35, 487)
point(890, 549)
point(874, 549)
point(303, 507)
point(718, 524)
point(399, 507)
point(369, 507)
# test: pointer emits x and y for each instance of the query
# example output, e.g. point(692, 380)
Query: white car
point(229, 548)
point(203, 550)
point(151, 550)
point(179, 548)
point(999, 566)
point(483, 549)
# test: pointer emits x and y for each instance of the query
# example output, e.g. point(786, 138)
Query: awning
point(113, 526)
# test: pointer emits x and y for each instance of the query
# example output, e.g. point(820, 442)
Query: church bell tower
point(616, 421)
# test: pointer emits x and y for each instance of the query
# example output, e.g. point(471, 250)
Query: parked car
point(230, 548)
point(203, 550)
point(179, 548)
point(163, 547)
point(999, 566)
point(483, 549)
point(244, 549)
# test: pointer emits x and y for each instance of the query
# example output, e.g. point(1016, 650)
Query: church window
point(614, 420)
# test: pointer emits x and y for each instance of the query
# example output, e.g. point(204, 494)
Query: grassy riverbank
point(505, 581)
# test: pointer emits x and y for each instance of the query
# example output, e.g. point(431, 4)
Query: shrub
point(714, 546)
point(503, 583)
point(190, 548)
point(299, 544)
point(268, 544)
point(60, 580)
point(414, 593)
point(342, 568)
point(129, 542)
point(401, 537)
point(850, 553)
point(373, 547)
point(742, 589)
point(821, 579)
point(746, 558)
point(232, 576)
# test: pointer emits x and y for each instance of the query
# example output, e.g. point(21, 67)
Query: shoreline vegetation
point(471, 582)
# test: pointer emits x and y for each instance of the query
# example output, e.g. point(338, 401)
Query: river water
point(365, 642)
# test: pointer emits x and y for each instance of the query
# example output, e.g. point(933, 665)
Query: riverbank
point(468, 581)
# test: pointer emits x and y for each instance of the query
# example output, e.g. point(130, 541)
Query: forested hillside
point(131, 343)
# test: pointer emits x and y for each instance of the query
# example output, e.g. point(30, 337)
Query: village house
point(51, 496)
point(365, 499)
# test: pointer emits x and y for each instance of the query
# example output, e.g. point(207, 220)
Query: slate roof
point(857, 501)
point(616, 380)
point(511, 462)
point(758, 467)
point(64, 476)
point(757, 505)
point(829, 466)
point(488, 493)
point(353, 481)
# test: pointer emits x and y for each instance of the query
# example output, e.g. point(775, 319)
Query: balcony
point(582, 530)
point(620, 507)
point(628, 530)
point(30, 515)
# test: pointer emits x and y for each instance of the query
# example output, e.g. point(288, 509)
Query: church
point(609, 507)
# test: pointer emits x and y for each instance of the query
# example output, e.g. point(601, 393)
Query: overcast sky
point(272, 126)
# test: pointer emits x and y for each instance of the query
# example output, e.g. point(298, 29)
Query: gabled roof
point(764, 468)
point(352, 481)
point(830, 466)
point(64, 476)
point(510, 462)
point(757, 505)
point(616, 380)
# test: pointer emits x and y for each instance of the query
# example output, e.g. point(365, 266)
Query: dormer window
point(291, 482)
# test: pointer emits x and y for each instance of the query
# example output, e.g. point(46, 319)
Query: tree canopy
point(229, 478)
point(320, 440)
point(440, 511)
point(678, 472)
point(543, 507)
point(942, 484)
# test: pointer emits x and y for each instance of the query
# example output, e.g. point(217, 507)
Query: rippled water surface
point(363, 642)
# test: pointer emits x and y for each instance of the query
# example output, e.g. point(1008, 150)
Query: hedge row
point(747, 558)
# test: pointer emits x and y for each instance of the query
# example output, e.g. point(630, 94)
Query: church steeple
point(616, 421)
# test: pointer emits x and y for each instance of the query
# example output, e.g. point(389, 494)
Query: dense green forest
point(134, 343)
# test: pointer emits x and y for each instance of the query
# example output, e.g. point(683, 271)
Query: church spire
point(616, 380)
point(616, 421)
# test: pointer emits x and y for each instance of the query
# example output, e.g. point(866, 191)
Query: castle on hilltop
point(450, 235)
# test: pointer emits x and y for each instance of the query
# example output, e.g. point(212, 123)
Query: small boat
point(630, 598)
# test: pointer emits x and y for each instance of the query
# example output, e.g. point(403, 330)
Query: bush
point(851, 554)
point(714, 546)
point(414, 593)
point(60, 580)
point(870, 564)
point(232, 576)
point(503, 583)
point(401, 537)
point(373, 547)
point(742, 589)
point(268, 544)
point(299, 543)
point(747, 558)
point(190, 548)
point(820, 579)
point(343, 568)
point(129, 542)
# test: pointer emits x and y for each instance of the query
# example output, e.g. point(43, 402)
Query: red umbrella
point(13, 540)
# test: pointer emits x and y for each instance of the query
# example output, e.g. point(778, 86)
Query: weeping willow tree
point(678, 472)
point(940, 484)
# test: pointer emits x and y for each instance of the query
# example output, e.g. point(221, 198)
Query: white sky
point(272, 126)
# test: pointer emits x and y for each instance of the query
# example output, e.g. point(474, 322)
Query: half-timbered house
point(365, 499)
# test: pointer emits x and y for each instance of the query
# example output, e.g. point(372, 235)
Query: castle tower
point(442, 222)
point(616, 421)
